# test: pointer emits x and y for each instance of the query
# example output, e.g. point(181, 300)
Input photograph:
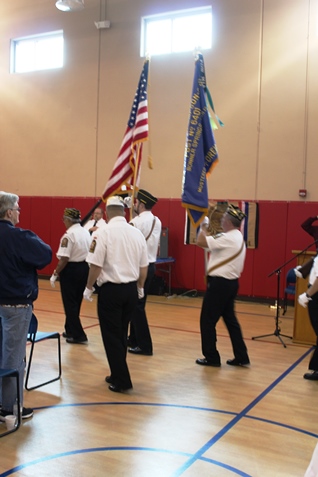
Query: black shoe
point(25, 414)
point(117, 389)
point(66, 335)
point(72, 340)
point(205, 362)
point(138, 350)
point(236, 362)
point(312, 376)
point(109, 380)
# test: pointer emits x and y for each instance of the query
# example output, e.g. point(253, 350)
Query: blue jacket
point(22, 252)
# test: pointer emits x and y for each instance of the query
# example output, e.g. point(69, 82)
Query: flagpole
point(138, 148)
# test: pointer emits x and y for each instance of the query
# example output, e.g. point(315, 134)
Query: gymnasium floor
point(180, 419)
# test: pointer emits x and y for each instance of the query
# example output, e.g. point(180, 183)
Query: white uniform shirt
point(144, 222)
point(314, 271)
point(99, 223)
point(120, 250)
point(74, 244)
point(224, 246)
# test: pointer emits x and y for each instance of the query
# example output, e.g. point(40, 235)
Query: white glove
point(297, 272)
point(87, 295)
point(204, 224)
point(303, 300)
point(128, 201)
point(141, 293)
point(205, 221)
point(53, 280)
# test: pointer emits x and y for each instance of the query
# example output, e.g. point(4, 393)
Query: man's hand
point(53, 279)
point(128, 201)
point(141, 293)
point(303, 300)
point(297, 272)
point(87, 295)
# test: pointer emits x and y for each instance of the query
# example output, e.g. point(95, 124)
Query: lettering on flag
point(200, 152)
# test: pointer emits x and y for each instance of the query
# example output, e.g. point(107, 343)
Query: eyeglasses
point(18, 209)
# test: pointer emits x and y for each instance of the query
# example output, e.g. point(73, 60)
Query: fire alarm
point(302, 193)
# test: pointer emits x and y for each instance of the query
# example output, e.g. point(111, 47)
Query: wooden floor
point(180, 419)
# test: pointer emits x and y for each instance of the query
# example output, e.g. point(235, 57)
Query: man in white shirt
point(226, 262)
point(150, 226)
point(96, 222)
point(118, 263)
point(73, 271)
point(310, 298)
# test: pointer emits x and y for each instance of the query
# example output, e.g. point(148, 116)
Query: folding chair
point(35, 336)
point(12, 373)
point(290, 287)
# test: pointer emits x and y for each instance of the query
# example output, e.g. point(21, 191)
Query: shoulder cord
point(152, 227)
point(227, 260)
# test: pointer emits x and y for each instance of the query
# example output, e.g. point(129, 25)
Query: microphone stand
point(278, 272)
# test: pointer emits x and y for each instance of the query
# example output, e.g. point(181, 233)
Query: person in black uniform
point(226, 262)
point(73, 272)
point(302, 271)
point(118, 262)
point(22, 253)
point(311, 229)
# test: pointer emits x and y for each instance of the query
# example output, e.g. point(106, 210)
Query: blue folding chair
point(290, 288)
point(35, 336)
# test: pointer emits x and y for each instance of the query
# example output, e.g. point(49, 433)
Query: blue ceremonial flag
point(200, 150)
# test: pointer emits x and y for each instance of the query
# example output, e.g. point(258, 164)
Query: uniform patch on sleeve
point(92, 247)
point(64, 243)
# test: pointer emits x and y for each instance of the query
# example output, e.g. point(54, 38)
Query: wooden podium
point(303, 332)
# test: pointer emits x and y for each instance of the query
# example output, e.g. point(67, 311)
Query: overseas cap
point(146, 198)
point(235, 212)
point(72, 213)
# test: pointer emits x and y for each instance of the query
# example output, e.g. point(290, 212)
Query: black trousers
point(73, 279)
point(139, 329)
point(313, 315)
point(116, 304)
point(219, 301)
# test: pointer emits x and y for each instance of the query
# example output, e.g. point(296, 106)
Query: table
point(166, 261)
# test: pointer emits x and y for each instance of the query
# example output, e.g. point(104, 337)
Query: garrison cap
point(146, 198)
point(71, 213)
point(235, 212)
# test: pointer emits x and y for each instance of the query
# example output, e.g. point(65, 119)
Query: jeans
point(14, 326)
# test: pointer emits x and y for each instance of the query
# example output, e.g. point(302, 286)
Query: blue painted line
point(117, 448)
point(192, 458)
point(178, 406)
point(234, 421)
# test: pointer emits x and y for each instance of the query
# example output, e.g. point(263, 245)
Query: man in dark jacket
point(22, 252)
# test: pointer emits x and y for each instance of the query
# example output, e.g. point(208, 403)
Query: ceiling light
point(70, 5)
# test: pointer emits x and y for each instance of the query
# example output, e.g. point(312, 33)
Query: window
point(173, 32)
point(39, 52)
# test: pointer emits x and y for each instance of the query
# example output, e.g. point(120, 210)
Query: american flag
point(129, 156)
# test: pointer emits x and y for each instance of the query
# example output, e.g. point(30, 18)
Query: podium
point(303, 332)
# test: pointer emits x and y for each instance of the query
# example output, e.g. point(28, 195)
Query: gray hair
point(234, 221)
point(7, 201)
